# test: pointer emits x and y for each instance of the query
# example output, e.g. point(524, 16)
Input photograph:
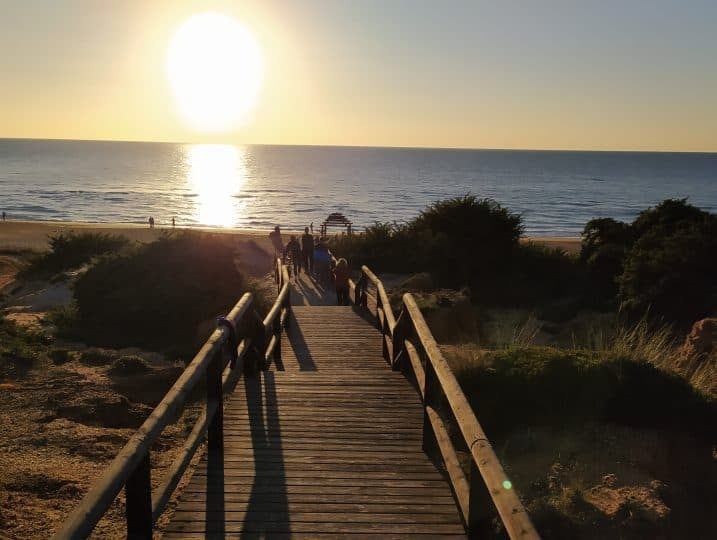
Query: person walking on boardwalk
point(275, 237)
point(293, 249)
point(307, 251)
point(341, 280)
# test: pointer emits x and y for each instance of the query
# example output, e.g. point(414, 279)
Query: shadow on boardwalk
point(268, 493)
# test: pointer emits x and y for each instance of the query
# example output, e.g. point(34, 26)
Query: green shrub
point(467, 240)
point(97, 357)
point(157, 296)
point(672, 272)
point(664, 262)
point(605, 242)
point(59, 356)
point(545, 386)
point(129, 365)
point(71, 250)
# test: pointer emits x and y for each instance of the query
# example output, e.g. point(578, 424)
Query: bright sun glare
point(215, 68)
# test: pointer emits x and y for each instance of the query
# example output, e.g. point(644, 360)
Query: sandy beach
point(33, 235)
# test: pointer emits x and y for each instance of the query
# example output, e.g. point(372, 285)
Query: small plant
point(59, 356)
point(97, 357)
point(129, 365)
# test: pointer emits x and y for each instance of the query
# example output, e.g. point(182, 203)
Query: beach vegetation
point(20, 348)
point(157, 295)
point(466, 242)
point(562, 388)
point(663, 262)
point(129, 365)
point(70, 251)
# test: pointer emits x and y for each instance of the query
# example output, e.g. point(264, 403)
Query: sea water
point(258, 186)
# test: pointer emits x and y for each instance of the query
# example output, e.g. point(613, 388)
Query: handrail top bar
point(94, 504)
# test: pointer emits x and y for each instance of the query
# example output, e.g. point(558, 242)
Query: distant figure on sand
point(307, 251)
point(293, 249)
point(151, 222)
point(4, 216)
point(312, 227)
point(275, 237)
point(173, 223)
point(341, 280)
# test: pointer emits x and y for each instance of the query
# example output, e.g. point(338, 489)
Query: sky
point(529, 74)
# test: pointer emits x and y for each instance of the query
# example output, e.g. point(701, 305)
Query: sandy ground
point(33, 235)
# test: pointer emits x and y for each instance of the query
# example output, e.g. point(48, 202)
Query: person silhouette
point(151, 222)
point(275, 237)
point(173, 223)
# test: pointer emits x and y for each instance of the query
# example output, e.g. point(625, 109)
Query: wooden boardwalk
point(326, 443)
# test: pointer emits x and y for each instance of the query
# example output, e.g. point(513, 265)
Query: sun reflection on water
point(216, 172)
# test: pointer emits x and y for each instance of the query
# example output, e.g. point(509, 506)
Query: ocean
point(257, 186)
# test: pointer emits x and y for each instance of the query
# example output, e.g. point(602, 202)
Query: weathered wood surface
point(330, 445)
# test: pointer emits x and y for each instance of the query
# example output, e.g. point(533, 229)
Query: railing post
point(277, 333)
point(431, 398)
point(138, 492)
point(379, 305)
point(215, 431)
point(479, 506)
point(288, 311)
point(399, 332)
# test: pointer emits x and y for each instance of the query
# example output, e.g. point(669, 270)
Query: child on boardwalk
point(341, 280)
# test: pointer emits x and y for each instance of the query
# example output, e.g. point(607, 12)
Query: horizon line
point(459, 148)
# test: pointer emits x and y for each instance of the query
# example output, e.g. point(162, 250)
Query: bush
point(664, 262)
point(59, 356)
point(97, 357)
point(545, 386)
point(157, 296)
point(672, 272)
point(467, 240)
point(129, 365)
point(605, 242)
point(71, 250)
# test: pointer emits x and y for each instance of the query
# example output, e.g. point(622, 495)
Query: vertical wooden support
point(277, 332)
point(288, 311)
point(379, 305)
point(479, 506)
point(138, 491)
point(215, 431)
point(431, 397)
point(399, 337)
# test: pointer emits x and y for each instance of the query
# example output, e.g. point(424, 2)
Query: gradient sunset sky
point(570, 74)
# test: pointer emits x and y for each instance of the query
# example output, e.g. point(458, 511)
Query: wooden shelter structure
point(336, 219)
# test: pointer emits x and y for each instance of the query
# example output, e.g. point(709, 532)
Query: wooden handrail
point(131, 467)
point(436, 385)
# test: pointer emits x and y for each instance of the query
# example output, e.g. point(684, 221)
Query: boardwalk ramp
point(328, 442)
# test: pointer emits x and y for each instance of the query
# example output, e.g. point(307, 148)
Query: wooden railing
point(409, 346)
point(242, 343)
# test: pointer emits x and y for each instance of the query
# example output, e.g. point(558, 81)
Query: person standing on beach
point(275, 237)
point(4, 215)
point(307, 251)
point(173, 223)
point(151, 222)
point(341, 280)
point(312, 227)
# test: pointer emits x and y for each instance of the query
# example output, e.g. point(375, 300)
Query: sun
point(215, 69)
